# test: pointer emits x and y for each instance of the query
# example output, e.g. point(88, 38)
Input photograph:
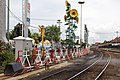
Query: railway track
point(93, 72)
point(67, 72)
point(74, 72)
point(94, 64)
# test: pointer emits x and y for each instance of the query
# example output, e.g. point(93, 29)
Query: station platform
point(56, 66)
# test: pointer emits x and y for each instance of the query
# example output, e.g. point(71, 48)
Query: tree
point(36, 37)
point(52, 33)
point(70, 43)
point(17, 31)
point(63, 42)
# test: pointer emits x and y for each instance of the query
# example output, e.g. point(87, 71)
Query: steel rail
point(52, 74)
point(105, 67)
point(85, 68)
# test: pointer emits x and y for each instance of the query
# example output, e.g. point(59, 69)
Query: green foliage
point(71, 23)
point(17, 31)
point(70, 43)
point(6, 57)
point(63, 42)
point(52, 33)
point(35, 36)
point(6, 54)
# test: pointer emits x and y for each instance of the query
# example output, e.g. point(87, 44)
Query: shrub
point(6, 54)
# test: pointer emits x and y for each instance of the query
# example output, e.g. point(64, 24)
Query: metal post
point(24, 17)
point(81, 26)
point(8, 20)
point(43, 35)
point(81, 22)
point(59, 22)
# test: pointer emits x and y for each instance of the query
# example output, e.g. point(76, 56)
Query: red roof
point(117, 39)
point(105, 44)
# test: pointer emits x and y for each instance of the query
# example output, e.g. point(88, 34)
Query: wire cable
point(44, 19)
point(33, 27)
point(17, 18)
point(103, 32)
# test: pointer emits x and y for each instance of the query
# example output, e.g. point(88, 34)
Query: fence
point(32, 58)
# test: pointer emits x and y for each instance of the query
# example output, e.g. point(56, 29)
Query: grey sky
point(101, 16)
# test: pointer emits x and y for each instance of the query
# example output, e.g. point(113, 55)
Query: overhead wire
point(44, 19)
point(33, 27)
point(17, 18)
point(103, 32)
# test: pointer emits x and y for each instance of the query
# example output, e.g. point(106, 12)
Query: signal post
point(42, 34)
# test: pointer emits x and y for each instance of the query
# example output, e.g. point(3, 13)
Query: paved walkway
point(57, 66)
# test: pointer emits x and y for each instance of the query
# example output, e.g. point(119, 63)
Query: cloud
point(101, 16)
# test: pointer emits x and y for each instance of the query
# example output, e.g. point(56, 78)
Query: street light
point(59, 22)
point(81, 2)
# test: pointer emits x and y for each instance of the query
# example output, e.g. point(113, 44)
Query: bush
point(6, 54)
point(6, 57)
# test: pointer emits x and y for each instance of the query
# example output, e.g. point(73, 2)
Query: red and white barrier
point(32, 58)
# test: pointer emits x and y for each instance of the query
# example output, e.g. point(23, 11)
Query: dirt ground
point(113, 70)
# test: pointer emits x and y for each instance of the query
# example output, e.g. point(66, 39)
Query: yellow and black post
point(42, 34)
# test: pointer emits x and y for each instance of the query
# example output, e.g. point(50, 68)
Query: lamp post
point(59, 22)
point(81, 2)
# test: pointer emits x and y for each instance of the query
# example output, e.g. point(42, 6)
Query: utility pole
point(25, 16)
point(81, 2)
point(59, 22)
point(8, 20)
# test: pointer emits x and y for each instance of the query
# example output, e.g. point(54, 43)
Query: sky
point(102, 17)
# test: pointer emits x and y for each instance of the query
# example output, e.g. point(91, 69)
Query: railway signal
point(42, 34)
